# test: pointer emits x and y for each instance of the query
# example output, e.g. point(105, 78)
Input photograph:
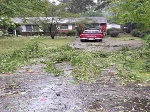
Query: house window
point(64, 26)
point(29, 28)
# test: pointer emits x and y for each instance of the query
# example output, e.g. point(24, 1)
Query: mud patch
point(38, 91)
point(137, 104)
point(100, 97)
point(43, 92)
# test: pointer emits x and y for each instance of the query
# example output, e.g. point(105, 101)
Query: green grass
point(88, 65)
point(126, 37)
point(53, 43)
point(10, 44)
point(132, 65)
point(17, 51)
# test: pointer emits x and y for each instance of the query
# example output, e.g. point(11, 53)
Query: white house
point(113, 26)
point(30, 25)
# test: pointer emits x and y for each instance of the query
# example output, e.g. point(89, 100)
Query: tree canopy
point(92, 13)
point(78, 6)
point(33, 8)
point(52, 10)
point(124, 11)
point(56, 12)
point(17, 8)
point(14, 8)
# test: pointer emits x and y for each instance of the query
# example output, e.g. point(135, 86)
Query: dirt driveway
point(30, 89)
point(107, 45)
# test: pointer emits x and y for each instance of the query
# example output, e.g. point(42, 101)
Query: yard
point(63, 74)
point(10, 44)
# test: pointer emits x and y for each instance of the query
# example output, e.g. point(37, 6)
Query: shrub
point(79, 30)
point(146, 31)
point(142, 35)
point(71, 33)
point(125, 48)
point(146, 65)
point(113, 29)
point(136, 33)
point(63, 34)
point(110, 30)
point(147, 38)
point(1, 33)
point(114, 33)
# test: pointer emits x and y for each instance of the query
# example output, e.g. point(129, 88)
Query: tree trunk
point(52, 36)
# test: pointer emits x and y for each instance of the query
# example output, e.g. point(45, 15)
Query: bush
point(79, 30)
point(1, 33)
point(113, 29)
point(146, 65)
point(147, 38)
point(63, 34)
point(142, 35)
point(136, 33)
point(71, 33)
point(110, 30)
point(114, 33)
point(146, 31)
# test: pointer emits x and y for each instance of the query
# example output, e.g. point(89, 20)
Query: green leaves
point(132, 65)
point(6, 23)
point(10, 62)
point(79, 6)
point(131, 11)
point(51, 68)
point(86, 66)
point(15, 8)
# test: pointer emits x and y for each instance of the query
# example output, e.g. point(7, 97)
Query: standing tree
point(6, 24)
point(92, 13)
point(78, 6)
point(52, 14)
point(17, 8)
point(103, 4)
point(82, 25)
point(49, 22)
point(137, 11)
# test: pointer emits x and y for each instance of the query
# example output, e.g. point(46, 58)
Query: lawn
point(132, 65)
point(10, 44)
point(126, 37)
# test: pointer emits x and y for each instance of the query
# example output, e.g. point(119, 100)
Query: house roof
point(94, 19)
point(31, 20)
